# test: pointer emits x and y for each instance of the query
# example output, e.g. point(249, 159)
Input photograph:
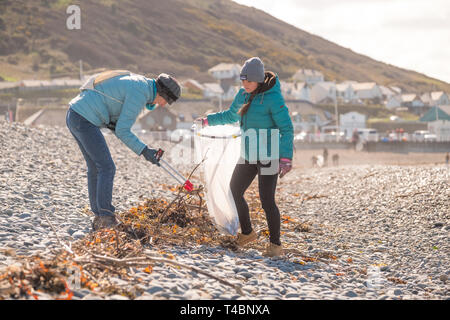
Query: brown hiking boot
point(101, 222)
point(243, 239)
point(273, 250)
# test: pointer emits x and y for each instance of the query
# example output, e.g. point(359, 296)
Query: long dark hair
point(245, 107)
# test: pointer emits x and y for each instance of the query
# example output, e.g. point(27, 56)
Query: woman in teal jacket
point(266, 146)
point(113, 100)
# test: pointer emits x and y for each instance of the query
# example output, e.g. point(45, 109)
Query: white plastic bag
point(220, 147)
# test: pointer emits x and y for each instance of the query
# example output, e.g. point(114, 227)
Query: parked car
point(430, 137)
point(419, 135)
point(332, 136)
point(368, 134)
point(300, 136)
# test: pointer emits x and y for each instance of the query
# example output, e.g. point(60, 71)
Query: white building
point(345, 92)
point(438, 119)
point(367, 90)
point(350, 121)
point(8, 86)
point(55, 84)
point(193, 85)
point(413, 103)
point(310, 77)
point(387, 93)
point(306, 117)
point(212, 90)
point(225, 71)
point(436, 98)
point(323, 92)
point(396, 90)
point(231, 93)
point(296, 91)
point(394, 102)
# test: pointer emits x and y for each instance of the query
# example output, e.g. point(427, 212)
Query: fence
point(392, 146)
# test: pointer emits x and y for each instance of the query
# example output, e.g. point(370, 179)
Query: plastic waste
point(220, 147)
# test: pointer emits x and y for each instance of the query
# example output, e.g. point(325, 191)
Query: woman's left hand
point(285, 166)
point(201, 122)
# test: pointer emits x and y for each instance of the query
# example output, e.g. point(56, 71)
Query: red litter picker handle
point(187, 185)
point(159, 154)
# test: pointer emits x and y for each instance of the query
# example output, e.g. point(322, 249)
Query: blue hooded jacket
point(133, 90)
point(267, 112)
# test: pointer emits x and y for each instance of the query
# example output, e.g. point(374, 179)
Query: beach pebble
point(78, 235)
point(118, 297)
point(155, 289)
point(350, 294)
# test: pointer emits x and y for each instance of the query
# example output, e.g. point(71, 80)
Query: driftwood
point(145, 261)
point(316, 196)
point(112, 251)
point(63, 245)
point(410, 194)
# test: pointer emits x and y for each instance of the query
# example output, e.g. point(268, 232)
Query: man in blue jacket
point(113, 99)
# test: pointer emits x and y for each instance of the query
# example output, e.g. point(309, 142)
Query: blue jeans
point(101, 168)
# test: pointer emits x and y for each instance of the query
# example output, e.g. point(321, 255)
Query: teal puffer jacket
point(266, 119)
point(133, 91)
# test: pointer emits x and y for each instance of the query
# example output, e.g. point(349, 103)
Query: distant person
point(259, 105)
point(335, 159)
point(355, 138)
point(447, 158)
point(325, 156)
point(314, 161)
point(113, 99)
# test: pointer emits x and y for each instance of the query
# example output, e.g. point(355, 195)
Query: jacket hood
point(270, 82)
point(270, 85)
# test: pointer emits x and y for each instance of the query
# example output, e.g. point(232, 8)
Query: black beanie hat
point(168, 88)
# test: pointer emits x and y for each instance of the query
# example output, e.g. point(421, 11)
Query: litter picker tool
point(187, 185)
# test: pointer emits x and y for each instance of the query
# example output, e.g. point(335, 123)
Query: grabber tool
point(187, 185)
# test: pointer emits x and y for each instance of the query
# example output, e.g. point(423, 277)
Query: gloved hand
point(285, 166)
point(201, 122)
point(150, 155)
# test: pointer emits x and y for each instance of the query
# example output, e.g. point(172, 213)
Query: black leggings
point(243, 175)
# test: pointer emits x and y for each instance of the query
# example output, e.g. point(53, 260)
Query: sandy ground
point(302, 158)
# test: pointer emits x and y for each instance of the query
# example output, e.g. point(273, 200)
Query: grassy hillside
point(183, 37)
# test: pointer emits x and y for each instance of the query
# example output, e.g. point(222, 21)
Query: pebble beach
point(358, 231)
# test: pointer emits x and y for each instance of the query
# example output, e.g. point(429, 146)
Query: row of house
point(34, 85)
point(347, 92)
point(419, 103)
point(307, 85)
point(310, 85)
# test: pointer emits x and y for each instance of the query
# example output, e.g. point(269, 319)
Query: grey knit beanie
point(168, 88)
point(253, 70)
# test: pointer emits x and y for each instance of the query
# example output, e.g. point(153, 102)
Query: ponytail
point(245, 107)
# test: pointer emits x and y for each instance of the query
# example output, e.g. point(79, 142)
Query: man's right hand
point(150, 155)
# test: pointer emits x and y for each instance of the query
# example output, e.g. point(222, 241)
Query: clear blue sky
point(412, 34)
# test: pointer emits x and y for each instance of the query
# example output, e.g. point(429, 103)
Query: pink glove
point(201, 122)
point(285, 166)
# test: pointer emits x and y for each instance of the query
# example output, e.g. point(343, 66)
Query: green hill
point(183, 37)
